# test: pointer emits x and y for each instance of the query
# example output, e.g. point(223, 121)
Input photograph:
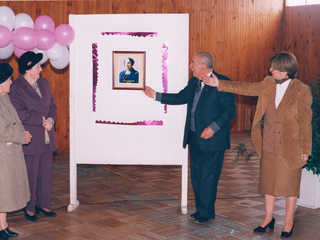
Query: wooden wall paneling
point(242, 35)
point(301, 37)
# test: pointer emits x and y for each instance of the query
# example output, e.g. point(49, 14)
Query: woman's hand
point(28, 137)
point(212, 81)
point(304, 157)
point(48, 124)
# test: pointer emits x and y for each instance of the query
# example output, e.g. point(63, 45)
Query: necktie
point(199, 86)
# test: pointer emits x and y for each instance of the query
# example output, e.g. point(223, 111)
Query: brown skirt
point(276, 179)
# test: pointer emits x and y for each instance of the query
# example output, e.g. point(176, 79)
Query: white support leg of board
point(184, 185)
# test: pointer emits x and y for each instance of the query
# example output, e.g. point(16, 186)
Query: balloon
point(44, 22)
point(6, 52)
point(64, 34)
point(5, 36)
point(46, 39)
point(62, 62)
point(7, 17)
point(25, 38)
point(18, 51)
point(23, 20)
point(44, 58)
point(55, 52)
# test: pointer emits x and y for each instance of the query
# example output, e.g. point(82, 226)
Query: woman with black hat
point(31, 96)
point(14, 188)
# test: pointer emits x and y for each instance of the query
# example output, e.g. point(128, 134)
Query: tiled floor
point(143, 202)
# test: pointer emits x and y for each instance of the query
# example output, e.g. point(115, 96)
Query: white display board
point(123, 126)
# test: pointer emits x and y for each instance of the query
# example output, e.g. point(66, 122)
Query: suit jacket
point(31, 109)
point(294, 116)
point(213, 106)
point(133, 77)
point(14, 185)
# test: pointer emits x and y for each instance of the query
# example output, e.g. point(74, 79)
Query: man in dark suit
point(207, 131)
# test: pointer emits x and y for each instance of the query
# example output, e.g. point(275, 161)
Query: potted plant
point(310, 181)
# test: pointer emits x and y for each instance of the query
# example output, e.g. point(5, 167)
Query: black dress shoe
point(287, 234)
point(195, 215)
point(47, 214)
point(2, 237)
point(8, 233)
point(31, 218)
point(260, 229)
point(201, 219)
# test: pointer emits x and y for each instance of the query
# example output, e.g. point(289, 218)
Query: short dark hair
point(285, 62)
point(131, 60)
point(206, 58)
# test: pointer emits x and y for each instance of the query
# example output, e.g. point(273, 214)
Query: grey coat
point(14, 185)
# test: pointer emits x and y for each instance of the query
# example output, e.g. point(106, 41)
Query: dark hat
point(28, 60)
point(5, 72)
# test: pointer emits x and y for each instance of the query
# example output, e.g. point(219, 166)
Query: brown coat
point(14, 186)
point(294, 116)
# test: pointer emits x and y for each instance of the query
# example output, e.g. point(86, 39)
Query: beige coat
point(294, 116)
point(14, 186)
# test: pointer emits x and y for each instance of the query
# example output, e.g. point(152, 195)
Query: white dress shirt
point(280, 91)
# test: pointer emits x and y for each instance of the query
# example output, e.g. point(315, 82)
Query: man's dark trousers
point(205, 170)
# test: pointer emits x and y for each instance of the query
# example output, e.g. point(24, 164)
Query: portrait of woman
point(130, 75)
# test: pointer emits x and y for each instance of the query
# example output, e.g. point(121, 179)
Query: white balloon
point(23, 20)
point(62, 62)
point(7, 17)
point(44, 58)
point(7, 51)
point(55, 52)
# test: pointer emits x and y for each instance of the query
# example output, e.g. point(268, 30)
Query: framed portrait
point(129, 70)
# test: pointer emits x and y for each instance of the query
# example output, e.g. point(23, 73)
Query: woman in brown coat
point(14, 187)
point(284, 107)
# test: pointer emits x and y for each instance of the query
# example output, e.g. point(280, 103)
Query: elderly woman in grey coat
point(14, 187)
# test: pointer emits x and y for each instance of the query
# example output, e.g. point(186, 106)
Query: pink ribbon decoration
point(148, 123)
point(164, 76)
point(165, 71)
point(133, 34)
point(94, 73)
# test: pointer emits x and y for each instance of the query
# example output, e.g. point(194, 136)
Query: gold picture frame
point(129, 70)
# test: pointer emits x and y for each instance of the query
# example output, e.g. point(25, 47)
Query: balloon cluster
point(19, 34)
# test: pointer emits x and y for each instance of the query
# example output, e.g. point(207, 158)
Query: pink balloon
point(24, 38)
point(18, 51)
point(64, 34)
point(44, 22)
point(5, 36)
point(46, 39)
